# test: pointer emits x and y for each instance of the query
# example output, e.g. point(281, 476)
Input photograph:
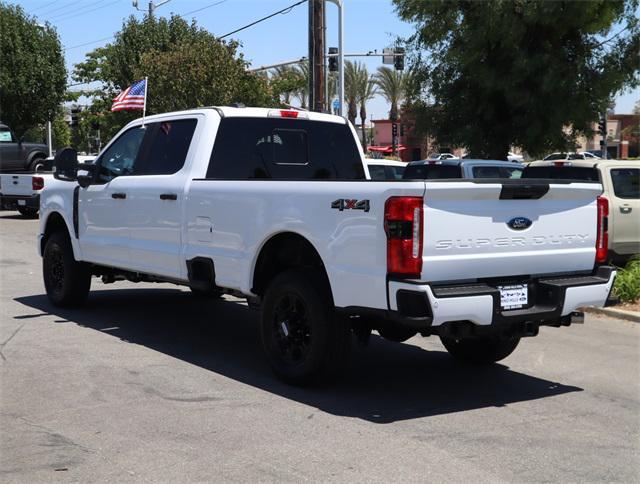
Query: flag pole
point(144, 108)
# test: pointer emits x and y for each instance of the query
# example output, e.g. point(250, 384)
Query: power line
point(45, 5)
point(202, 8)
point(283, 11)
point(113, 36)
point(66, 5)
point(88, 11)
point(74, 11)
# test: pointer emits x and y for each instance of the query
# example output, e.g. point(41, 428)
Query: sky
point(369, 25)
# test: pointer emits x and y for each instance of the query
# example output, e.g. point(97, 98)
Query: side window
point(166, 151)
point(120, 157)
point(511, 172)
point(626, 182)
point(486, 172)
point(6, 136)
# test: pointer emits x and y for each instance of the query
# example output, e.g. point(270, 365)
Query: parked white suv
point(273, 205)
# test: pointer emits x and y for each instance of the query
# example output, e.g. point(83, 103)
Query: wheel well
point(283, 252)
point(35, 155)
point(55, 222)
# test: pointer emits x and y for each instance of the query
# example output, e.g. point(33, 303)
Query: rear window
point(376, 172)
point(431, 172)
point(284, 149)
point(577, 173)
point(496, 172)
point(626, 182)
point(394, 172)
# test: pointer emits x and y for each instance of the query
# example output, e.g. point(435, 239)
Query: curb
point(615, 313)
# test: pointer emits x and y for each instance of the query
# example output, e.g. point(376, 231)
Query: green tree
point(60, 131)
point(392, 85)
point(528, 73)
point(32, 72)
point(186, 65)
point(199, 73)
point(285, 82)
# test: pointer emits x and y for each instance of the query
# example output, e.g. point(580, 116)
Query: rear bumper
point(552, 301)
point(15, 201)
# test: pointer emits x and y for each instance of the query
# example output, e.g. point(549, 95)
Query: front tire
point(303, 338)
point(67, 281)
point(37, 164)
point(480, 351)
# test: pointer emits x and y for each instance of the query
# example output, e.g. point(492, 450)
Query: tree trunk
point(353, 112)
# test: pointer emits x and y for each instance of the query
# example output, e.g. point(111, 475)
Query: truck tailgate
point(16, 185)
point(482, 230)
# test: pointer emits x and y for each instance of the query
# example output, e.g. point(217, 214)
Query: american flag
point(132, 98)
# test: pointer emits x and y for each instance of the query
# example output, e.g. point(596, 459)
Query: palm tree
point(392, 86)
point(332, 87)
point(303, 90)
point(366, 91)
point(351, 73)
point(286, 75)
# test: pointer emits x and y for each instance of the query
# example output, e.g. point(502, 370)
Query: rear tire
point(480, 351)
point(27, 212)
point(302, 337)
point(67, 281)
point(37, 164)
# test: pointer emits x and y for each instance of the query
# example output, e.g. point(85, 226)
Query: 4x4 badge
point(350, 204)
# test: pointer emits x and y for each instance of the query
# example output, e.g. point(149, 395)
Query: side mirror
point(86, 174)
point(65, 165)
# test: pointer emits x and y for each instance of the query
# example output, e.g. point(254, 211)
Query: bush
point(627, 285)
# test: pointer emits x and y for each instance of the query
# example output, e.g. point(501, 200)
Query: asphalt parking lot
point(147, 383)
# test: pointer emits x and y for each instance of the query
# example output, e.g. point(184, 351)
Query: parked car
point(21, 192)
point(435, 169)
point(442, 156)
point(18, 155)
point(564, 156)
point(384, 169)
point(514, 157)
point(621, 183)
point(273, 205)
point(588, 155)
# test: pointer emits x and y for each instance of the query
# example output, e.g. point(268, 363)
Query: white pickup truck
point(273, 205)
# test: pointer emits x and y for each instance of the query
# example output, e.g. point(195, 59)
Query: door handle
point(625, 209)
point(168, 196)
point(120, 196)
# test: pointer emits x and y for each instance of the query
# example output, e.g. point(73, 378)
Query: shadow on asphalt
point(385, 381)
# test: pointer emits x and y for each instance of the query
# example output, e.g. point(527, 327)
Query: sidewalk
point(614, 312)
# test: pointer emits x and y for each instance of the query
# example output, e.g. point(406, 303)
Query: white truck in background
point(273, 205)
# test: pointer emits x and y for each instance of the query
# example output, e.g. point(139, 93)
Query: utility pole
point(152, 6)
point(317, 78)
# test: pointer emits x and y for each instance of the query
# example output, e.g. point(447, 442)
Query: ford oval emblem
point(519, 223)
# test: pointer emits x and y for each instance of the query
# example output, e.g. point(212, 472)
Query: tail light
point(403, 218)
point(602, 238)
point(37, 183)
point(287, 113)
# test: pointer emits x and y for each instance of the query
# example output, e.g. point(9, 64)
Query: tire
point(67, 281)
point(480, 351)
point(37, 164)
point(27, 212)
point(302, 337)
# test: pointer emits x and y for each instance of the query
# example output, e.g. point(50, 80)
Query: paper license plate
point(22, 202)
point(514, 296)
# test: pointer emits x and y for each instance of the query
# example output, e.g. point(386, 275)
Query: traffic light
point(602, 126)
point(398, 58)
point(74, 116)
point(401, 130)
point(394, 130)
point(333, 59)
